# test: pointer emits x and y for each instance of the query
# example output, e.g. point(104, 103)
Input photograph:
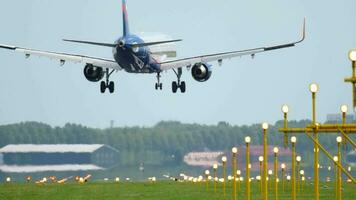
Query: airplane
point(133, 55)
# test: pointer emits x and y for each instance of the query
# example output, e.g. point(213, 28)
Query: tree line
point(165, 143)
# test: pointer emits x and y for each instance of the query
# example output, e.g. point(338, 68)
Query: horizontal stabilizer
point(154, 43)
point(92, 43)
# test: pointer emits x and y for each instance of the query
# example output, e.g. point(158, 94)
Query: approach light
point(224, 159)
point(301, 172)
point(275, 150)
point(215, 166)
point(238, 172)
point(344, 108)
point(265, 126)
point(247, 139)
point(293, 139)
point(352, 55)
point(260, 158)
point(283, 166)
point(298, 158)
point(270, 172)
point(336, 158)
point(339, 139)
point(207, 172)
point(313, 88)
point(234, 150)
point(285, 109)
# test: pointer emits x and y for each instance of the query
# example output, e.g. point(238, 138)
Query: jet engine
point(93, 73)
point(201, 72)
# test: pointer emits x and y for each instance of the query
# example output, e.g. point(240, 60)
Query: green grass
point(159, 190)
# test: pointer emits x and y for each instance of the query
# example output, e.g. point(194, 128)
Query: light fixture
point(224, 159)
point(270, 172)
point(336, 159)
point(234, 150)
point(275, 150)
point(339, 139)
point(285, 109)
point(260, 158)
point(215, 166)
point(265, 126)
point(238, 172)
point(247, 139)
point(207, 172)
point(352, 55)
point(283, 166)
point(313, 88)
point(298, 158)
point(301, 172)
point(293, 139)
point(344, 108)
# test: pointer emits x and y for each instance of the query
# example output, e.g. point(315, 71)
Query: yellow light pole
point(352, 80)
point(215, 167)
point(336, 160)
point(234, 155)
point(294, 193)
point(247, 141)
point(238, 173)
point(301, 179)
point(339, 180)
point(224, 159)
point(275, 150)
point(314, 89)
point(207, 172)
point(270, 173)
point(298, 159)
point(344, 109)
point(283, 166)
point(285, 110)
point(265, 161)
point(261, 174)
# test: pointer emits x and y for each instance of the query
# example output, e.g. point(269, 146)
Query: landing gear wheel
point(160, 86)
point(174, 87)
point(102, 87)
point(156, 86)
point(182, 87)
point(111, 87)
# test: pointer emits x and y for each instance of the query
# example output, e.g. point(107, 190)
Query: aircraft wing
point(226, 55)
point(64, 57)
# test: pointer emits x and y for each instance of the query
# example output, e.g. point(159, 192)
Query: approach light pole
point(261, 174)
point(215, 168)
point(207, 172)
point(247, 141)
point(283, 167)
point(265, 161)
point(234, 155)
point(298, 159)
point(224, 159)
point(352, 79)
point(339, 140)
point(275, 150)
point(294, 193)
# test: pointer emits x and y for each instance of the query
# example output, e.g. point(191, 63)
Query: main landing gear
point(159, 85)
point(107, 84)
point(178, 84)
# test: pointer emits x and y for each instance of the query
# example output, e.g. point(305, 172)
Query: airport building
point(58, 156)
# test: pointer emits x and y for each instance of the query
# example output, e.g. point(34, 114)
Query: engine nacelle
point(93, 73)
point(201, 72)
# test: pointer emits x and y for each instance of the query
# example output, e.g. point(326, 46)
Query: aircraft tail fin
point(125, 18)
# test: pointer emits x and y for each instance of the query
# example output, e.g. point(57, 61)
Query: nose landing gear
point(158, 85)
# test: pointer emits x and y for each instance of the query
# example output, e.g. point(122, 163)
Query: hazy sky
point(242, 91)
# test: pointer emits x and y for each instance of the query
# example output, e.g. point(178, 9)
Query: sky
point(243, 91)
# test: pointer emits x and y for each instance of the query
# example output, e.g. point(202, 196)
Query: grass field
point(149, 191)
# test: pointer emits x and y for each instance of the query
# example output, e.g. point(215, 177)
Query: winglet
point(303, 31)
